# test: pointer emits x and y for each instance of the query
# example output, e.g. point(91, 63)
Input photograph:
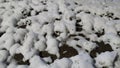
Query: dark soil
point(102, 48)
point(65, 51)
point(19, 59)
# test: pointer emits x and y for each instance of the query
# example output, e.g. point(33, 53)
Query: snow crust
point(31, 26)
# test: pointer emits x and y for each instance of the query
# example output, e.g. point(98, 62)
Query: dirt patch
point(65, 51)
point(19, 59)
point(102, 48)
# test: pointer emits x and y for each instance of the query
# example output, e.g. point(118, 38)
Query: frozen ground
point(59, 33)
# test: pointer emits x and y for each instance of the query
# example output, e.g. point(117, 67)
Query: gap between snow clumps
point(59, 34)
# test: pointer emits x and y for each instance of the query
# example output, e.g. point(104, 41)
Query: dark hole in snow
point(87, 39)
point(116, 18)
point(86, 50)
point(37, 12)
point(100, 33)
point(22, 26)
point(79, 46)
point(72, 9)
point(101, 15)
point(1, 33)
point(19, 59)
point(43, 2)
point(78, 26)
point(79, 20)
point(79, 11)
point(19, 42)
point(59, 13)
point(1, 20)
point(66, 51)
point(101, 48)
point(67, 4)
point(81, 35)
point(109, 14)
point(95, 14)
point(116, 58)
point(56, 34)
point(46, 22)
point(31, 9)
point(118, 33)
point(58, 19)
point(84, 36)
point(78, 29)
point(45, 10)
point(3, 49)
point(28, 14)
point(93, 29)
point(76, 39)
point(28, 22)
point(71, 18)
point(76, 3)
point(72, 35)
point(45, 34)
point(88, 12)
point(104, 67)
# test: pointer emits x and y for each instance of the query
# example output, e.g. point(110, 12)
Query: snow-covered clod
point(46, 33)
point(106, 59)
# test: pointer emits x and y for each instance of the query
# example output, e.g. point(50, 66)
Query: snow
point(87, 21)
point(62, 63)
point(83, 60)
point(113, 40)
point(22, 66)
point(3, 55)
point(12, 65)
point(3, 65)
point(105, 59)
point(99, 23)
point(87, 45)
point(19, 34)
point(60, 27)
point(47, 59)
point(29, 27)
point(37, 62)
point(13, 49)
point(27, 49)
point(52, 46)
point(40, 45)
